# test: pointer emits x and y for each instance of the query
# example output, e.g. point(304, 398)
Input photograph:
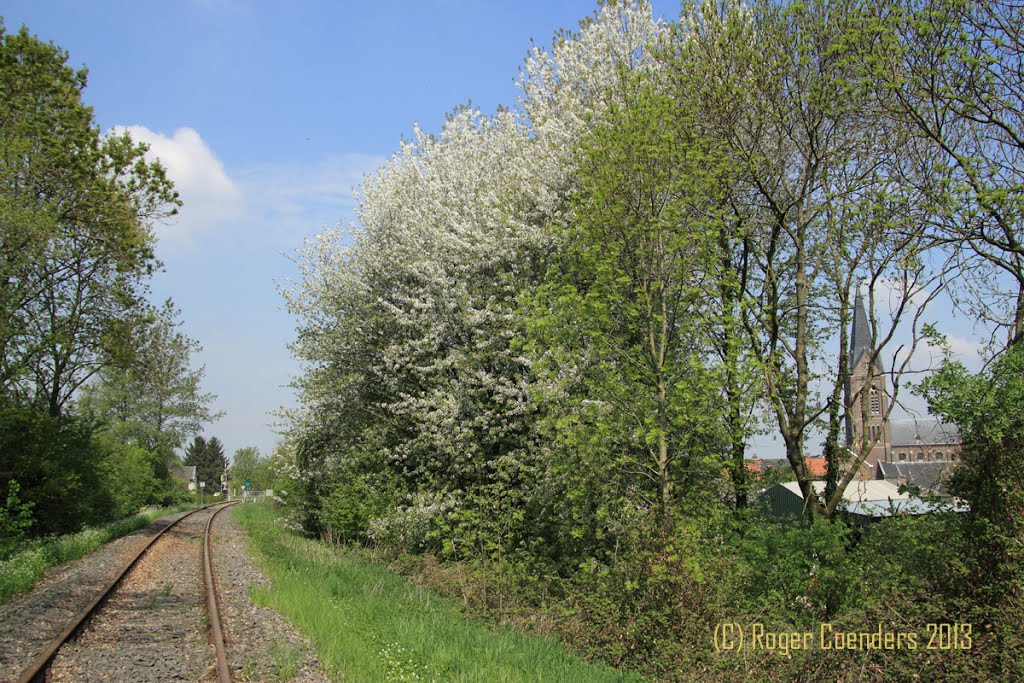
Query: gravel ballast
point(29, 621)
point(155, 627)
point(261, 644)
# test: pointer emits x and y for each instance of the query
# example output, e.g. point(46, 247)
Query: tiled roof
point(815, 466)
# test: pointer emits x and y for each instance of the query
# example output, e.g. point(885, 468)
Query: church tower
point(859, 394)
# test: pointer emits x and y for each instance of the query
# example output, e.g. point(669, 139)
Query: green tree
point(249, 465)
point(209, 461)
point(75, 237)
point(59, 469)
point(989, 410)
point(15, 520)
point(624, 302)
point(818, 200)
point(135, 477)
point(154, 400)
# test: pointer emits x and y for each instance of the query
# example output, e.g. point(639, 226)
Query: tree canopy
point(76, 242)
point(96, 391)
point(154, 399)
point(249, 466)
point(209, 460)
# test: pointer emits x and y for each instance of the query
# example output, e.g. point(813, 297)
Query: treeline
point(544, 350)
point(250, 470)
point(96, 386)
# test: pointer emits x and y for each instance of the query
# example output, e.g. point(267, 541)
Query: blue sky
point(267, 114)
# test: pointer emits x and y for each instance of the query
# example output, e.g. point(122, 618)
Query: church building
point(867, 400)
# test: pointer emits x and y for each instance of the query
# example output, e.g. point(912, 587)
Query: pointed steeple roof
point(861, 341)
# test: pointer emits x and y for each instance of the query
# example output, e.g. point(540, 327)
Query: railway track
point(127, 623)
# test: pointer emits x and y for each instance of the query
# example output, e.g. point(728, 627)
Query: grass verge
point(24, 568)
point(369, 624)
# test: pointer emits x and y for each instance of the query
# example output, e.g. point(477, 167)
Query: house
point(930, 477)
point(185, 473)
point(924, 440)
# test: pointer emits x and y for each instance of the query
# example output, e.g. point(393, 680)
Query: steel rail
point(212, 602)
point(36, 671)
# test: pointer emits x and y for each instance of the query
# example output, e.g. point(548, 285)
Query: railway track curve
point(129, 620)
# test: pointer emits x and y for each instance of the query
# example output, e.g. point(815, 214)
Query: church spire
point(861, 340)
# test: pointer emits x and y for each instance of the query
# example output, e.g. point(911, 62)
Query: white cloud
point(272, 204)
point(967, 350)
point(891, 294)
point(927, 356)
point(210, 198)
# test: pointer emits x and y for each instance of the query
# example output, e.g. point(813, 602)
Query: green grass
point(24, 568)
point(287, 660)
point(368, 624)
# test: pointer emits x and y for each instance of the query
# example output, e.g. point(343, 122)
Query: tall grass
point(369, 624)
point(25, 567)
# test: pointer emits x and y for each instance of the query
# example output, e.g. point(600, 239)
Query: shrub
point(15, 519)
point(799, 574)
point(409, 528)
point(58, 467)
point(346, 512)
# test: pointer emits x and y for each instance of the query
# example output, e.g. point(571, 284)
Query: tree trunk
point(664, 478)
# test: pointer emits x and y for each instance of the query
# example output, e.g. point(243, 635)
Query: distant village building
point(867, 396)
point(815, 466)
point(185, 473)
point(924, 441)
point(920, 453)
point(929, 477)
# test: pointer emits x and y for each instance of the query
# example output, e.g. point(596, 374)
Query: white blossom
point(408, 321)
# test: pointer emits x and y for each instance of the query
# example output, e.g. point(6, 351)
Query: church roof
point(912, 432)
